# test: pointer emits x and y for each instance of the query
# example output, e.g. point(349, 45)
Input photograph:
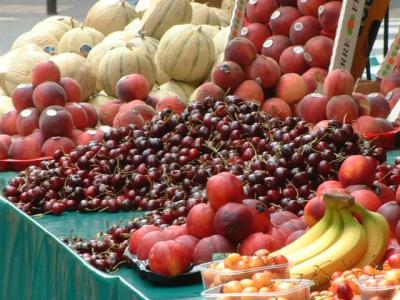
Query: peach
point(390, 82)
point(357, 169)
point(314, 211)
point(275, 45)
point(313, 108)
point(169, 258)
point(241, 50)
point(291, 88)
point(173, 103)
point(187, 241)
point(130, 105)
point(398, 60)
point(385, 125)
point(318, 51)
point(265, 70)
point(209, 89)
point(131, 87)
point(384, 193)
point(56, 121)
point(363, 104)
point(321, 125)
point(128, 117)
point(314, 77)
point(234, 221)
point(257, 33)
point(48, 93)
point(78, 114)
point(277, 107)
point(228, 75)
point(6, 139)
point(8, 124)
point(367, 199)
point(3, 150)
point(108, 111)
point(391, 212)
point(294, 236)
point(22, 96)
point(233, 191)
point(72, 89)
point(393, 97)
point(147, 242)
point(250, 90)
point(38, 136)
point(260, 11)
point(338, 82)
point(152, 101)
point(75, 135)
point(282, 19)
point(367, 124)
point(28, 121)
point(261, 217)
point(174, 231)
point(146, 111)
point(327, 186)
point(258, 241)
point(303, 29)
point(310, 7)
point(200, 221)
point(85, 137)
point(328, 16)
point(280, 217)
point(45, 71)
point(91, 114)
point(342, 108)
point(137, 236)
point(206, 248)
point(379, 106)
point(24, 148)
point(55, 143)
point(292, 60)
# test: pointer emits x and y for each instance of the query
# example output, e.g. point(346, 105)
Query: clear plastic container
point(300, 292)
point(381, 292)
point(213, 277)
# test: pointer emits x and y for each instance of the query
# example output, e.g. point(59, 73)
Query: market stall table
point(35, 264)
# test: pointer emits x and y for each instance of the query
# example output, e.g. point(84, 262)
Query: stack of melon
point(172, 43)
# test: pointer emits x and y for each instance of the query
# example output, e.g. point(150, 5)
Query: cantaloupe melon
point(220, 40)
point(163, 14)
point(204, 15)
point(80, 40)
point(186, 53)
point(98, 52)
point(122, 61)
point(134, 27)
point(119, 36)
point(55, 28)
point(6, 104)
point(108, 16)
point(210, 30)
point(182, 89)
point(223, 16)
point(161, 77)
point(148, 43)
point(142, 6)
point(163, 94)
point(45, 41)
point(16, 67)
point(69, 21)
point(75, 66)
point(99, 100)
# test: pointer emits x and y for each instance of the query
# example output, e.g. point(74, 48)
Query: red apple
point(131, 87)
point(56, 121)
point(48, 93)
point(28, 121)
point(45, 71)
point(72, 89)
point(78, 114)
point(19, 146)
point(22, 96)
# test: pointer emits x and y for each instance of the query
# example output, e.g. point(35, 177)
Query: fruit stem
point(338, 200)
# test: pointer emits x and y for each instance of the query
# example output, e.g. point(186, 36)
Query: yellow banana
point(378, 235)
point(326, 240)
point(310, 236)
point(342, 255)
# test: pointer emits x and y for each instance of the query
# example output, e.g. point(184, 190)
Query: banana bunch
point(338, 242)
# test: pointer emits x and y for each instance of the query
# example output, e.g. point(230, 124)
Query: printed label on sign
point(389, 63)
point(347, 34)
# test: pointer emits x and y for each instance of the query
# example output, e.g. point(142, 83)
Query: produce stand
point(33, 255)
point(35, 264)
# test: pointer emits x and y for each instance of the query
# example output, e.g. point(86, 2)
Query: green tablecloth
point(36, 265)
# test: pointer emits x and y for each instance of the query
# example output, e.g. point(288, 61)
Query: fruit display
point(236, 268)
